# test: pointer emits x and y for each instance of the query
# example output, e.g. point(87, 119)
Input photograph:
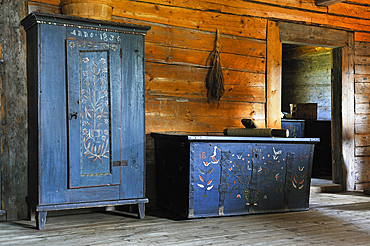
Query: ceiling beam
point(327, 2)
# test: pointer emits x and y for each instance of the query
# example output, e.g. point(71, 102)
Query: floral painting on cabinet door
point(95, 106)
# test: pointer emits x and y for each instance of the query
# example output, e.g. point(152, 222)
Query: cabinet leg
point(141, 207)
point(40, 220)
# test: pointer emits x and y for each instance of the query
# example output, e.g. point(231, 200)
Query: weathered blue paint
point(86, 113)
point(202, 176)
point(133, 113)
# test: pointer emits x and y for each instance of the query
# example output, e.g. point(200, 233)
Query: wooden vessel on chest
point(202, 176)
point(86, 114)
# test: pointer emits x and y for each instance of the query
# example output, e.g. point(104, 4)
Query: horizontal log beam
point(188, 82)
point(235, 17)
point(311, 35)
point(197, 115)
point(180, 56)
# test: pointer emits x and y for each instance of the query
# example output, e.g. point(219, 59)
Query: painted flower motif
point(113, 47)
point(72, 45)
point(83, 101)
point(84, 73)
point(84, 131)
point(102, 60)
point(238, 196)
point(206, 163)
point(106, 121)
point(106, 132)
point(230, 169)
point(87, 113)
point(105, 70)
point(103, 137)
point(259, 169)
point(106, 93)
point(84, 123)
point(277, 176)
point(101, 114)
point(85, 60)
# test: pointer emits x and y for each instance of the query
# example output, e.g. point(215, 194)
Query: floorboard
point(333, 219)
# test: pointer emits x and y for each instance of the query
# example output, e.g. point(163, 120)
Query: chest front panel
point(243, 178)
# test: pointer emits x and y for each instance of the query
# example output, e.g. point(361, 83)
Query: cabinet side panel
point(32, 88)
point(133, 116)
point(52, 109)
point(172, 175)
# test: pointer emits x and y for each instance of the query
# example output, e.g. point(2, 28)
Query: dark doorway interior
point(306, 78)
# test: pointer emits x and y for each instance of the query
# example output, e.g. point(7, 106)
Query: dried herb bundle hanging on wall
point(215, 77)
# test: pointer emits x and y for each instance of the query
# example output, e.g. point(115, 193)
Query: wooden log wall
point(13, 111)
point(177, 46)
point(306, 78)
point(362, 111)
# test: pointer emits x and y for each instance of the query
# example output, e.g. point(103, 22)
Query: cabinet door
point(94, 113)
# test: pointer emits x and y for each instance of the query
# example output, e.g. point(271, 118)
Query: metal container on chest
point(86, 113)
point(202, 176)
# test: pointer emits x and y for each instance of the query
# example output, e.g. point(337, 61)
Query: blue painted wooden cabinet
point(203, 176)
point(86, 114)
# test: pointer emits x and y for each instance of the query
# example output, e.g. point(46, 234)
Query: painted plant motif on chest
point(95, 105)
point(240, 170)
point(270, 178)
point(205, 182)
point(299, 177)
point(266, 172)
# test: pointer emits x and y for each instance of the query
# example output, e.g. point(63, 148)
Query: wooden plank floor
point(333, 219)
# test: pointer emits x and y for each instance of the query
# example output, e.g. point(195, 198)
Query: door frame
point(342, 122)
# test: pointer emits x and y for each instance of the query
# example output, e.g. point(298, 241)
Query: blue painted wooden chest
point(86, 114)
point(296, 127)
point(203, 176)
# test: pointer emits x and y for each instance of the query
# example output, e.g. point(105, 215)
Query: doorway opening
point(342, 109)
point(306, 80)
